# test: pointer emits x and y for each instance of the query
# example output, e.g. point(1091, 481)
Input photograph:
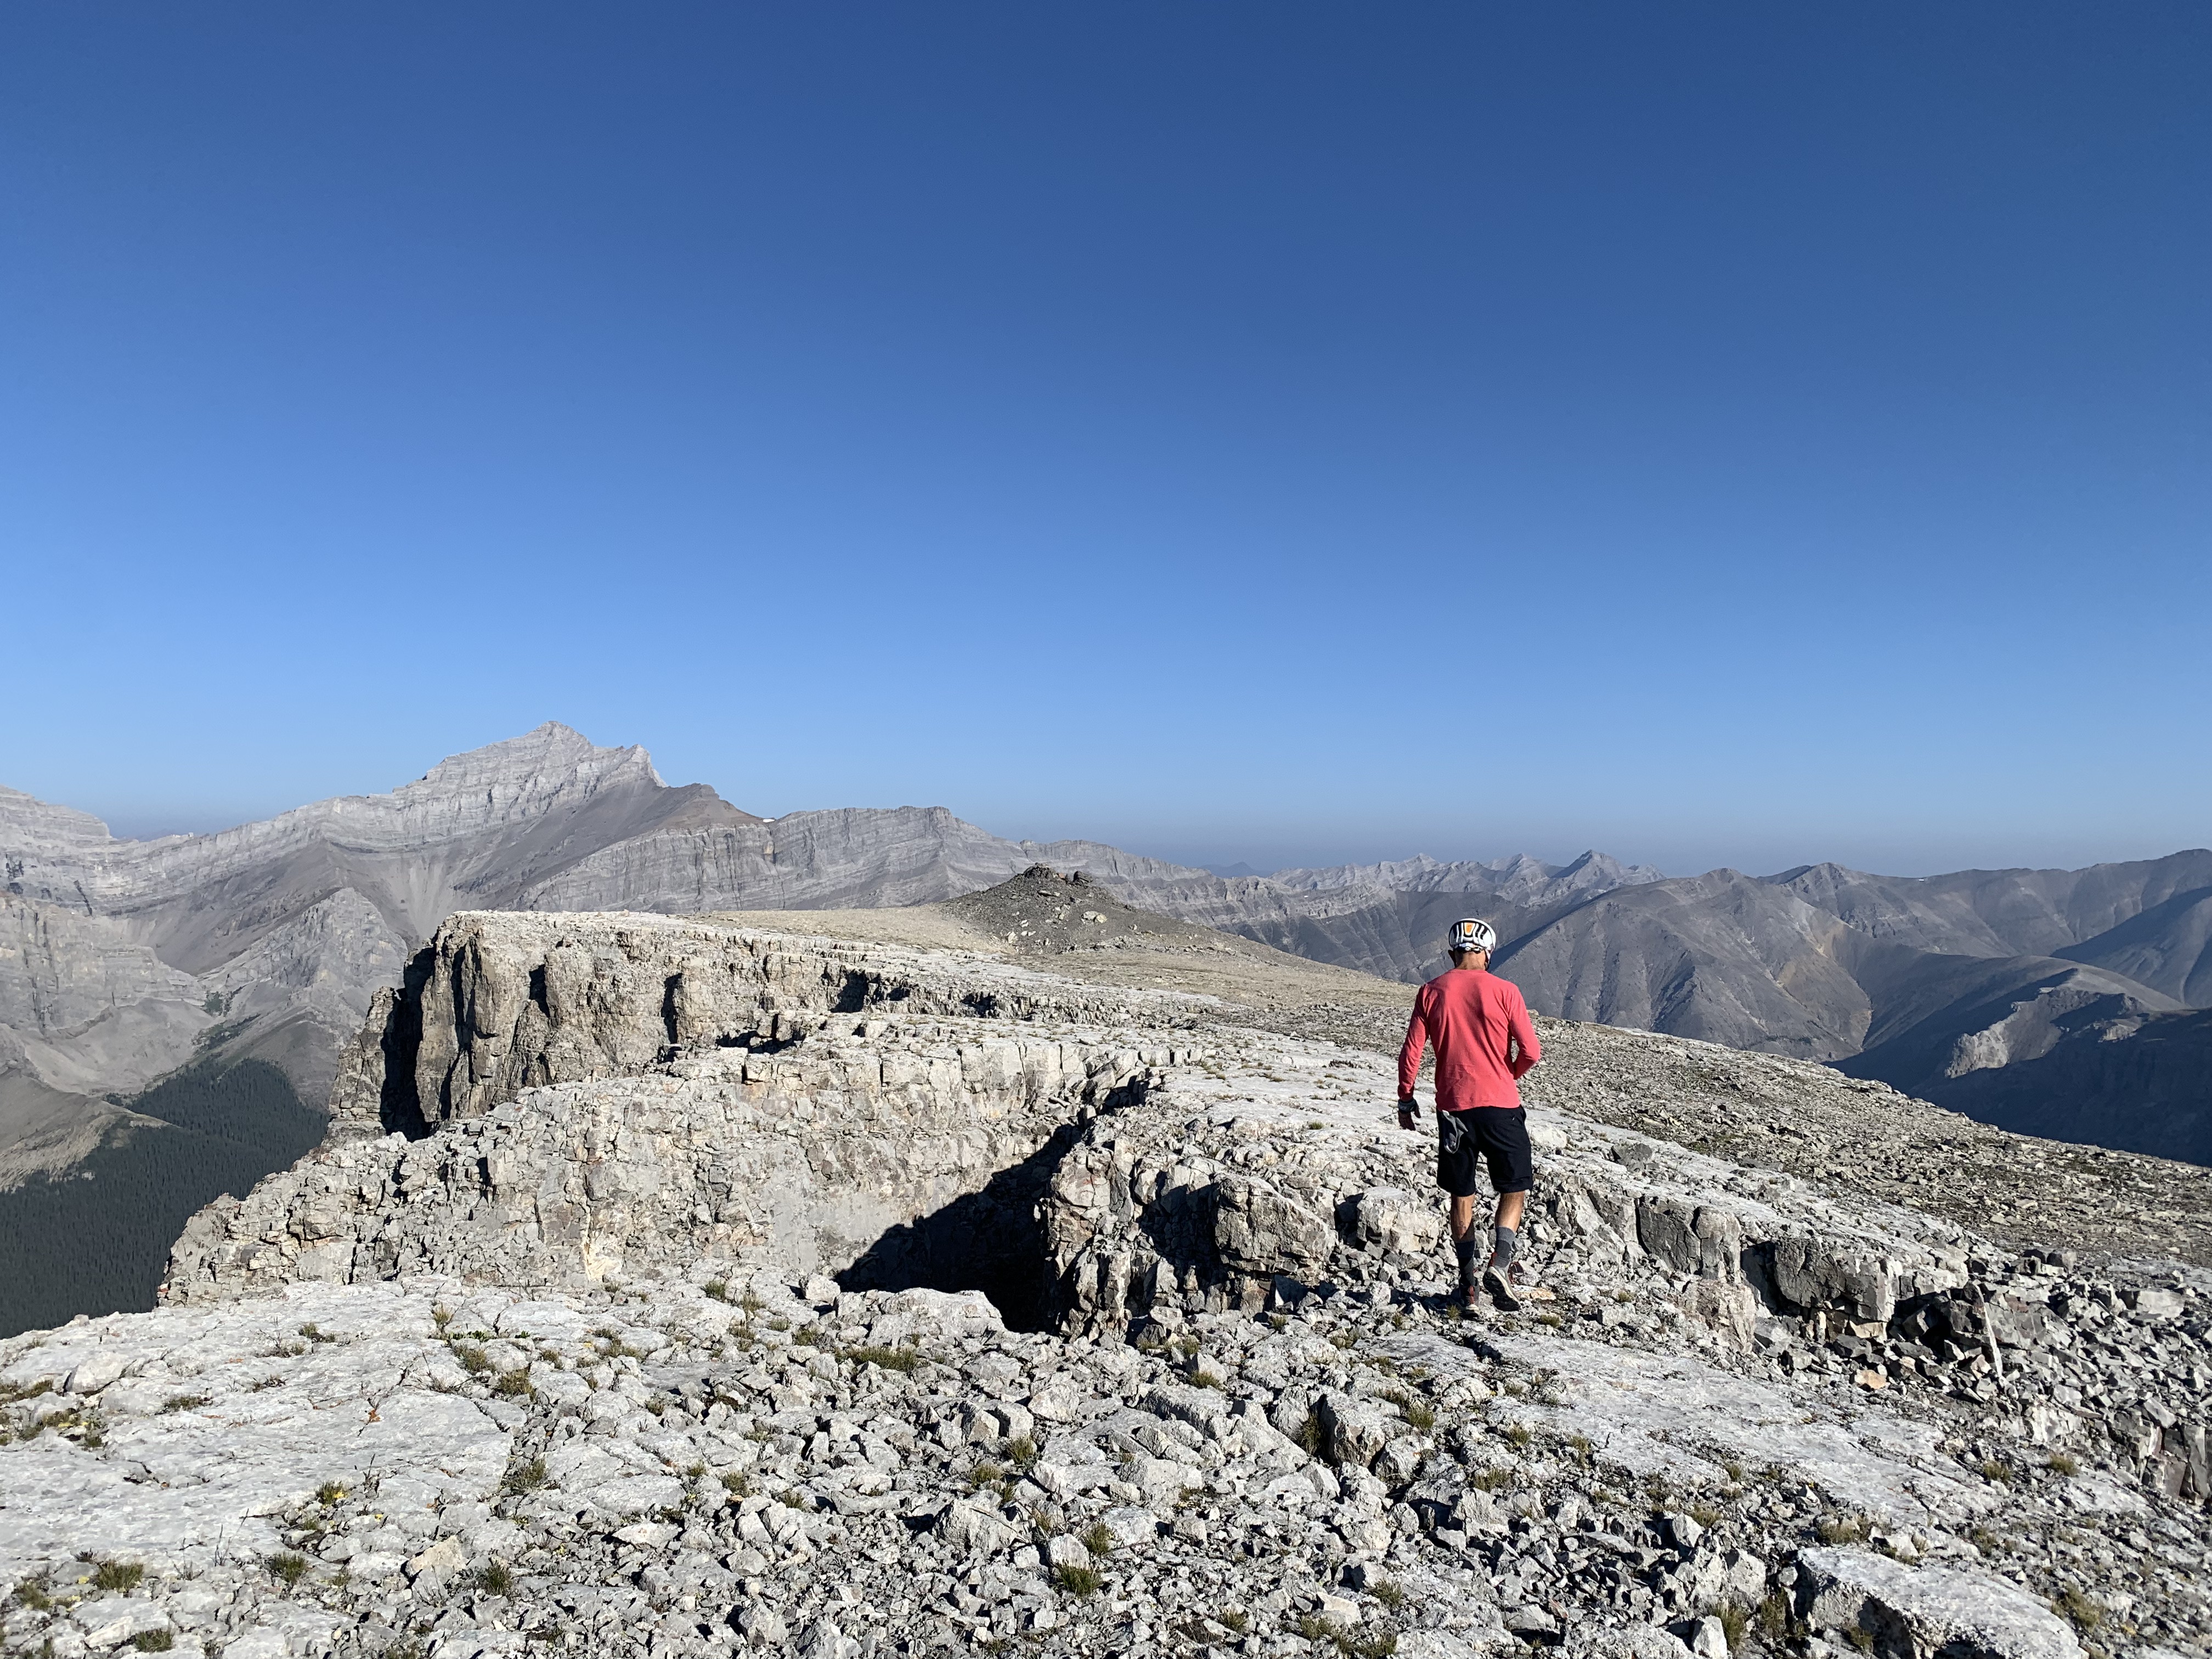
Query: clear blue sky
point(1718, 434)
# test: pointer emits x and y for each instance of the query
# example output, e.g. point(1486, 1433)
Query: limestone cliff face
point(601, 1092)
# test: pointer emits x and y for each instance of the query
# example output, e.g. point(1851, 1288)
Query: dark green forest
point(96, 1240)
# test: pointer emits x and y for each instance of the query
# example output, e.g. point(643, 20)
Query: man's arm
point(1409, 1063)
point(1524, 1038)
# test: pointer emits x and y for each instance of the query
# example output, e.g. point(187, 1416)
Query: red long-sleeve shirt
point(1484, 1039)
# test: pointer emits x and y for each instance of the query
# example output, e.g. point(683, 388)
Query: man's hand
point(1408, 1110)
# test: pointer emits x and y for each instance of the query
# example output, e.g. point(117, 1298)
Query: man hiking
point(1485, 1045)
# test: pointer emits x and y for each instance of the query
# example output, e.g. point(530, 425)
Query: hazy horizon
point(1278, 853)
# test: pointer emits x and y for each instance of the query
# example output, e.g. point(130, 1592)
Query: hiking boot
point(1504, 1285)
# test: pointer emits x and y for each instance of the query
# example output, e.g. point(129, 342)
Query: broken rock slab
point(1957, 1614)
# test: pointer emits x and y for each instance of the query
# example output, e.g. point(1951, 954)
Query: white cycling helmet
point(1472, 934)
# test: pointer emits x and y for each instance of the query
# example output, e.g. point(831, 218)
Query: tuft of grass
point(1518, 1436)
point(889, 1359)
point(32, 1594)
point(154, 1641)
point(1993, 1470)
point(1021, 1453)
point(1735, 1623)
point(495, 1578)
point(1234, 1619)
point(1422, 1415)
point(516, 1382)
point(330, 1494)
point(1309, 1435)
point(186, 1402)
point(1078, 1581)
point(1707, 1516)
point(2060, 1463)
point(525, 1477)
point(287, 1568)
point(1390, 1595)
point(119, 1576)
point(737, 1484)
point(1773, 1617)
point(474, 1360)
point(315, 1332)
point(1098, 1539)
point(717, 1288)
point(2085, 1612)
point(1841, 1530)
point(1490, 1480)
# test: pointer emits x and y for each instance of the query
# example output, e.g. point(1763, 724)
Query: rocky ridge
point(572, 1370)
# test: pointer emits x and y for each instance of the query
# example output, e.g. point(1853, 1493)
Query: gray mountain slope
point(2167, 946)
point(1998, 913)
point(2104, 1072)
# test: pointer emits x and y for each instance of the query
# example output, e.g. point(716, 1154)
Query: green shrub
point(1099, 1540)
point(495, 1578)
point(154, 1641)
point(287, 1567)
point(1078, 1581)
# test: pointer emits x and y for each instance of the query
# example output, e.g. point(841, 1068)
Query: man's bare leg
point(1509, 1206)
point(1462, 1217)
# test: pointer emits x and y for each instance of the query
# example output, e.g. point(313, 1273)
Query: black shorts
point(1496, 1135)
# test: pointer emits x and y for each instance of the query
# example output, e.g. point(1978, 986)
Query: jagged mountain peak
point(551, 756)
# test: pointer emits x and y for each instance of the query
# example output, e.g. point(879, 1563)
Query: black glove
point(1408, 1110)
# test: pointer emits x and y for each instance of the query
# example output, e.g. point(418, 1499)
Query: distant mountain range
point(2056, 1000)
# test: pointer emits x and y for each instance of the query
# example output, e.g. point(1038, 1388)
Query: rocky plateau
point(703, 1285)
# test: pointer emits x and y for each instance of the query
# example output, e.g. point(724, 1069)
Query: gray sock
point(1466, 1249)
point(1507, 1241)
